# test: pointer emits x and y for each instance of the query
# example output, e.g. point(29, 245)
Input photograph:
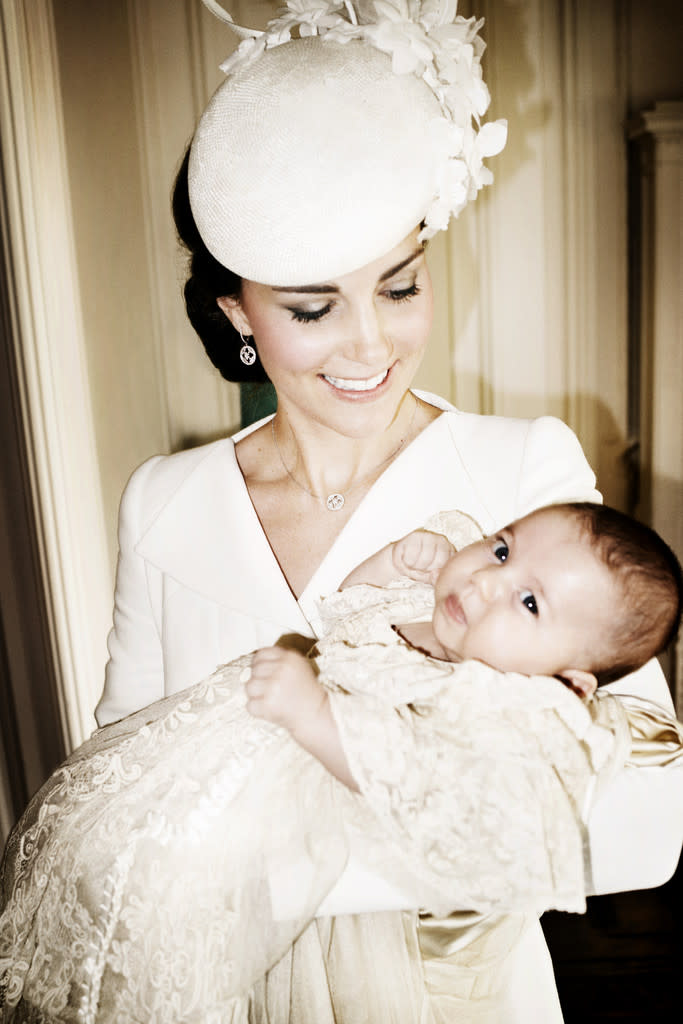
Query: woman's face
point(342, 353)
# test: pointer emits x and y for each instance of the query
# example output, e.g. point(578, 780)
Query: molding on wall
point(595, 234)
point(660, 132)
point(153, 165)
point(538, 268)
point(171, 83)
point(53, 390)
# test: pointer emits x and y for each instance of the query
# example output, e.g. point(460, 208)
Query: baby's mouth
point(455, 610)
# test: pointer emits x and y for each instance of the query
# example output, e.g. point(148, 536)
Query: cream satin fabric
point(656, 737)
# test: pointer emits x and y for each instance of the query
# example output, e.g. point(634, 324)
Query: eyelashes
point(404, 294)
point(311, 316)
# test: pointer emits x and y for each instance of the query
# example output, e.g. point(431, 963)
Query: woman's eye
point(501, 550)
point(403, 294)
point(309, 316)
point(529, 601)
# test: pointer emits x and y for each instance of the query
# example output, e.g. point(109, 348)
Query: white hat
point(319, 154)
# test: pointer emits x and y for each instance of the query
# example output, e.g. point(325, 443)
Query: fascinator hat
point(337, 131)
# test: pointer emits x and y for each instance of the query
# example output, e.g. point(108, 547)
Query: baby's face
point(533, 598)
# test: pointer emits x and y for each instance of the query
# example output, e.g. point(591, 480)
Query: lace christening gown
point(174, 858)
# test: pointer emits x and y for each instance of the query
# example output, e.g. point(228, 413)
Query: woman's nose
point(368, 341)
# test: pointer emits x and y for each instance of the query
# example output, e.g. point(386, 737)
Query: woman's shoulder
point(155, 481)
point(474, 425)
point(483, 435)
point(512, 464)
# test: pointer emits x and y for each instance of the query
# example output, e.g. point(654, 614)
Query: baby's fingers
point(421, 554)
point(441, 551)
point(409, 552)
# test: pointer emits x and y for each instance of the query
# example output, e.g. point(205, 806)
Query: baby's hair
point(650, 582)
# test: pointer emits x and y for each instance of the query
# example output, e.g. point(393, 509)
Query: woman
point(315, 174)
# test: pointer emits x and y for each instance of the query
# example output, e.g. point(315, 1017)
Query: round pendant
point(335, 502)
point(248, 355)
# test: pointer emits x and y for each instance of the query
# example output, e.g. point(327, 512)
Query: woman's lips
point(455, 610)
point(354, 387)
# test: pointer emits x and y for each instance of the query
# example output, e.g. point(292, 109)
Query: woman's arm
point(134, 674)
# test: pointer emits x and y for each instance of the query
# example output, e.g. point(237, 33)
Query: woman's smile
point(358, 386)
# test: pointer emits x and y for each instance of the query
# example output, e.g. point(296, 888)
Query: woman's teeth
point(356, 385)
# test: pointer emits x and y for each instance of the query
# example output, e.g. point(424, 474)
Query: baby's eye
point(403, 294)
point(309, 316)
point(500, 549)
point(529, 601)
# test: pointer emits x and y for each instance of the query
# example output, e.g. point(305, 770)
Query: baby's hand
point(283, 688)
point(421, 555)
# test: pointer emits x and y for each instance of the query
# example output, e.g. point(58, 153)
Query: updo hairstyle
point(209, 280)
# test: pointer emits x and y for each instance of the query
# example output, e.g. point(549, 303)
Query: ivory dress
point(175, 857)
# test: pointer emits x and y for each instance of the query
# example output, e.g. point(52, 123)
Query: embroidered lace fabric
point(174, 858)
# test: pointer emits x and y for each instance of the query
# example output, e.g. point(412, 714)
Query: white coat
point(198, 585)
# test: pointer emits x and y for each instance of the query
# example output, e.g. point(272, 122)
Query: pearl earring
point(247, 352)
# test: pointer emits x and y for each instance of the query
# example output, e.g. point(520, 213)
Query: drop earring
point(247, 352)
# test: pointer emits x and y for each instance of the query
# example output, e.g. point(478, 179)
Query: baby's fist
point(282, 688)
point(422, 554)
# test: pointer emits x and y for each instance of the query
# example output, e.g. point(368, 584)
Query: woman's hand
point(421, 555)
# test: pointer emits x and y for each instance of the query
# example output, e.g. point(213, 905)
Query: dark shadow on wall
point(30, 726)
point(621, 961)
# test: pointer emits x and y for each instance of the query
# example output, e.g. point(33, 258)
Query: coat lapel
point(208, 538)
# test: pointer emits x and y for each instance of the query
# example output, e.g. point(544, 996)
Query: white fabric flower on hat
point(424, 38)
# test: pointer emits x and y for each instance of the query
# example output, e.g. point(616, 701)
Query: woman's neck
point(292, 505)
point(321, 461)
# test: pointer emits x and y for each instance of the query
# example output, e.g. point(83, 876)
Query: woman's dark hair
point(209, 280)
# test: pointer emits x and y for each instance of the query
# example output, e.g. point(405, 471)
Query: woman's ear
point(235, 314)
point(584, 684)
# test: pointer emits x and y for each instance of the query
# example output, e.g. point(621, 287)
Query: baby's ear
point(584, 684)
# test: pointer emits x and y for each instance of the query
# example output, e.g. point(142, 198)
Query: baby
point(577, 591)
point(175, 857)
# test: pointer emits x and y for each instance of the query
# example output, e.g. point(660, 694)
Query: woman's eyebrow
point(331, 289)
point(404, 263)
point(314, 289)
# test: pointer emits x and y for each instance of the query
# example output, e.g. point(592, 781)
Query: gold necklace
point(336, 501)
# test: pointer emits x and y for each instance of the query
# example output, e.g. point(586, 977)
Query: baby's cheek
point(496, 643)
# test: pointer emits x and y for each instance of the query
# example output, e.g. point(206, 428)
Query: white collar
point(208, 537)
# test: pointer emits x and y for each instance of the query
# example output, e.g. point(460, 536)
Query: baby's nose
point(490, 582)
